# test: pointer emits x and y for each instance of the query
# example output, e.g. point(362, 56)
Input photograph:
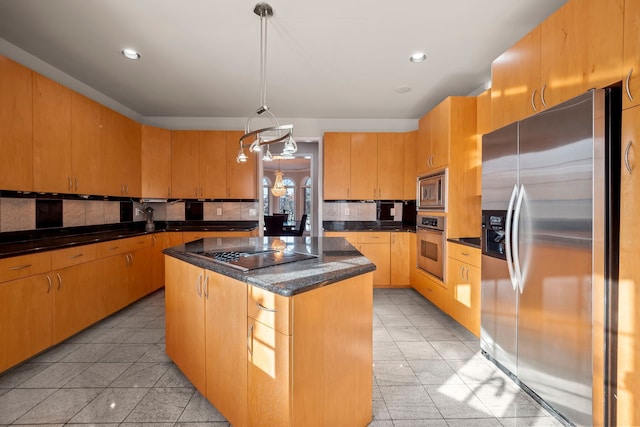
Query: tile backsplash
point(355, 211)
point(19, 213)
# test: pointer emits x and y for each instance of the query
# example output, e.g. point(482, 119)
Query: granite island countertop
point(334, 260)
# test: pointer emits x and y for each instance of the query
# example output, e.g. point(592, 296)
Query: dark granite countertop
point(473, 242)
point(32, 241)
point(368, 226)
point(336, 260)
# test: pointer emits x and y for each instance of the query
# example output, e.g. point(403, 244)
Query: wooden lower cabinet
point(159, 242)
point(26, 318)
point(401, 261)
point(463, 279)
point(237, 345)
point(432, 289)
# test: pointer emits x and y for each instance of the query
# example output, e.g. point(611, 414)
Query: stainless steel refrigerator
point(547, 234)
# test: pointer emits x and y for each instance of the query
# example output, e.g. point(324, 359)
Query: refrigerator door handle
point(516, 239)
point(507, 238)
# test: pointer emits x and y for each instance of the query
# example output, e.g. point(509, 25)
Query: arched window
point(306, 190)
point(266, 185)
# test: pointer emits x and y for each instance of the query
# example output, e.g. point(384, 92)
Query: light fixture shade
point(278, 188)
point(267, 157)
point(241, 157)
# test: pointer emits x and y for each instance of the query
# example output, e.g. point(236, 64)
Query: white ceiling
point(331, 59)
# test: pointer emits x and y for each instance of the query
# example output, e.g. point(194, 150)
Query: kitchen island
point(288, 344)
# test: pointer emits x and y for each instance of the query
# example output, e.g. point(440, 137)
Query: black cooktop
point(246, 259)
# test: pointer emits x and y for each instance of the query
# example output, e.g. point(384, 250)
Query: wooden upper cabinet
point(241, 177)
point(424, 143)
point(213, 164)
point(364, 158)
point(120, 146)
point(484, 114)
point(515, 81)
point(85, 142)
point(155, 145)
point(16, 131)
point(337, 165)
point(409, 168)
point(441, 123)
point(581, 48)
point(52, 168)
point(631, 67)
point(185, 169)
point(391, 155)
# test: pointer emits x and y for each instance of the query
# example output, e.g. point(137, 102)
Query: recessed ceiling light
point(130, 53)
point(418, 57)
point(403, 89)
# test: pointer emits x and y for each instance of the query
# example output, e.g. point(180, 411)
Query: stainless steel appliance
point(548, 230)
point(432, 190)
point(431, 244)
point(252, 257)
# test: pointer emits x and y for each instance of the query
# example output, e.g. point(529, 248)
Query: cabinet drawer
point(72, 256)
point(269, 308)
point(24, 266)
point(374, 237)
point(120, 246)
point(464, 253)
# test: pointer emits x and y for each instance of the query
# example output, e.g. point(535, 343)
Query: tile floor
point(427, 372)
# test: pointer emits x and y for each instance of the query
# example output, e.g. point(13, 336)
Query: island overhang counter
point(286, 343)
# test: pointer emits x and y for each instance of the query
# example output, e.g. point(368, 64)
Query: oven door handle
point(508, 239)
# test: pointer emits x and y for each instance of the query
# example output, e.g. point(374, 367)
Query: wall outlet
point(218, 211)
point(252, 212)
point(346, 211)
point(392, 211)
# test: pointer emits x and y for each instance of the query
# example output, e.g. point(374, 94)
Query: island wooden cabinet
point(628, 372)
point(159, 242)
point(26, 298)
point(463, 279)
point(631, 61)
point(16, 131)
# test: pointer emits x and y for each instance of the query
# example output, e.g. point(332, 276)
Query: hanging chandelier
point(254, 139)
point(278, 188)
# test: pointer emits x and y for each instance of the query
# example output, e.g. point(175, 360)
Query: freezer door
point(498, 313)
point(554, 255)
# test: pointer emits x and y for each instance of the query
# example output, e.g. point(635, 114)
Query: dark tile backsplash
point(126, 211)
point(193, 211)
point(48, 213)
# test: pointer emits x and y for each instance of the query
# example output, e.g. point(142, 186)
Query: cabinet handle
point(199, 285)
point(50, 284)
point(626, 85)
point(533, 100)
point(76, 184)
point(59, 280)
point(249, 335)
point(263, 308)
point(19, 267)
point(206, 286)
point(75, 256)
point(113, 248)
point(468, 269)
point(462, 272)
point(542, 95)
point(126, 187)
point(70, 186)
point(196, 191)
point(626, 157)
point(121, 188)
point(464, 253)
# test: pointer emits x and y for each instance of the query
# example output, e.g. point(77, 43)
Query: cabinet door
point(186, 319)
point(337, 165)
point(241, 177)
point(628, 291)
point(77, 299)
point(378, 253)
point(390, 166)
point(410, 169)
point(464, 282)
point(16, 132)
point(25, 319)
point(155, 162)
point(631, 67)
point(51, 136)
point(185, 152)
point(139, 275)
point(440, 134)
point(115, 287)
point(581, 48)
point(425, 132)
point(515, 81)
point(159, 242)
point(213, 164)
point(400, 260)
point(85, 145)
point(364, 176)
point(129, 157)
point(269, 391)
point(226, 346)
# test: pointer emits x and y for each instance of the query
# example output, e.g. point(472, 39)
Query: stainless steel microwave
point(432, 190)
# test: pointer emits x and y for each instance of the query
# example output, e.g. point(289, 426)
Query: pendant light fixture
point(278, 188)
point(254, 139)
